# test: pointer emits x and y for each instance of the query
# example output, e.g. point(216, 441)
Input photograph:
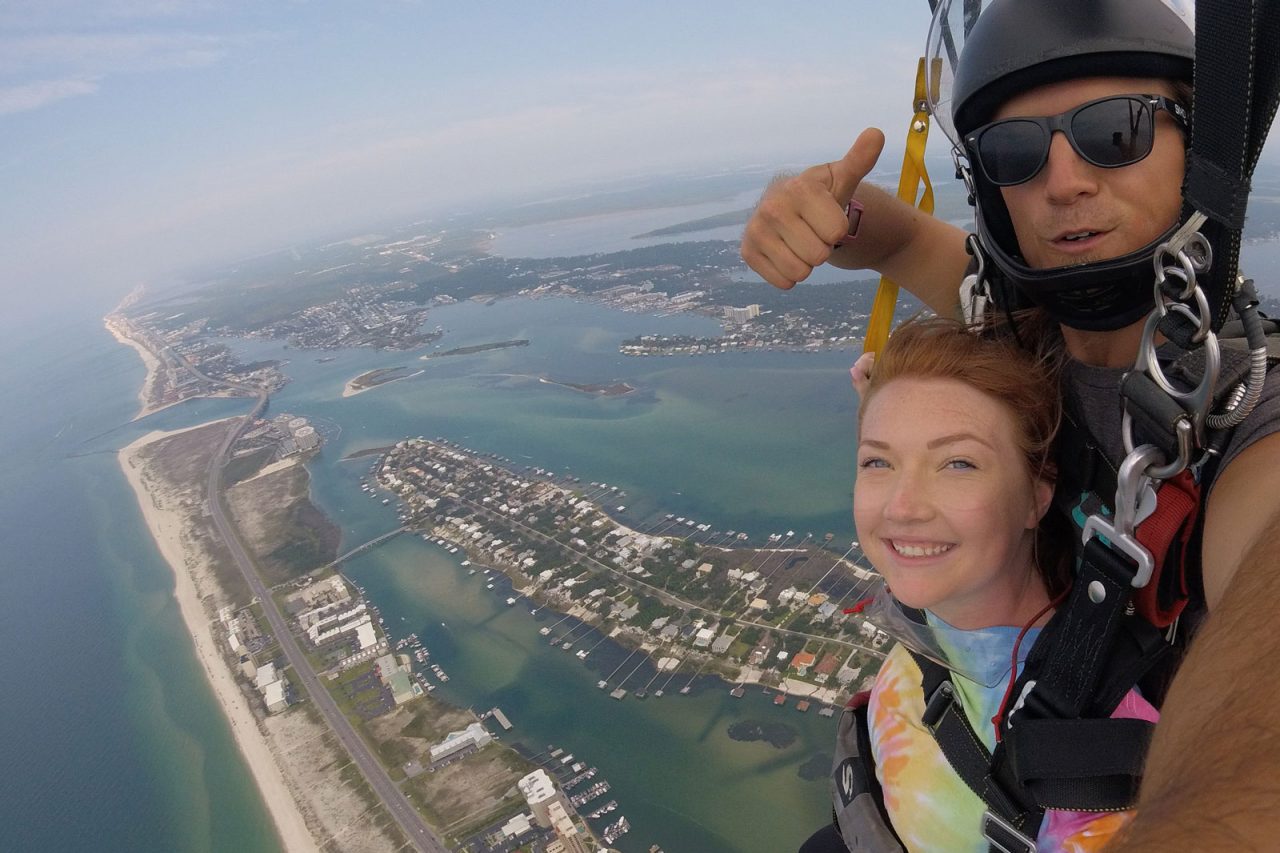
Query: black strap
point(1084, 630)
point(1237, 88)
point(973, 763)
point(1081, 765)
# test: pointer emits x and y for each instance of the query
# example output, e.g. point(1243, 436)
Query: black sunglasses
point(1110, 132)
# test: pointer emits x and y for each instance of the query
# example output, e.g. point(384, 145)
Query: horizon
point(147, 136)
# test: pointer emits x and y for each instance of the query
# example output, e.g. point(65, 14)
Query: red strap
point(859, 607)
point(1177, 503)
point(858, 700)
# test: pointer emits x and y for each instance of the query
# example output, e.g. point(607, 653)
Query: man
point(1075, 238)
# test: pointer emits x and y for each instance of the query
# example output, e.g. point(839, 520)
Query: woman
point(955, 476)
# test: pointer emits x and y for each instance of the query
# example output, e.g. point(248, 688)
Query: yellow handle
point(913, 174)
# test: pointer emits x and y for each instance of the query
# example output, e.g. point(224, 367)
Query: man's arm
point(1212, 780)
point(801, 217)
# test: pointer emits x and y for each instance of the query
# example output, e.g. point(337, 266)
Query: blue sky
point(137, 136)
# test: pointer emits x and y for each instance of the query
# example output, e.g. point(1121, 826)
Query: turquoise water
point(752, 442)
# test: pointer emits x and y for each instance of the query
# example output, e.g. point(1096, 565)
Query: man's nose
point(1066, 174)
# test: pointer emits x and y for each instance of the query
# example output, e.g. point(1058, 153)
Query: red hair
point(1026, 386)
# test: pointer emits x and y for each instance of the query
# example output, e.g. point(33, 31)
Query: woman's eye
point(961, 464)
point(873, 462)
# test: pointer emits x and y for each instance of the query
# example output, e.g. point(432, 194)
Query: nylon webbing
point(1237, 87)
point(913, 175)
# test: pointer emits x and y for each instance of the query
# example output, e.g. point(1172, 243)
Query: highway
point(396, 803)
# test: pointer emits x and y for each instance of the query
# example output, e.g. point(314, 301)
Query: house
point(802, 661)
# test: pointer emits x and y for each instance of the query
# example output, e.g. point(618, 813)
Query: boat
point(510, 601)
point(488, 586)
point(602, 684)
point(544, 630)
point(614, 831)
point(582, 654)
point(604, 810)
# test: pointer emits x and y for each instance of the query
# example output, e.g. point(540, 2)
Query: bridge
point(360, 549)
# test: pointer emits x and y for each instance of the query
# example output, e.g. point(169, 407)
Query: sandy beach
point(145, 406)
point(194, 579)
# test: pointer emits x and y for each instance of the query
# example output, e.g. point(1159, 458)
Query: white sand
point(350, 390)
point(192, 575)
point(145, 404)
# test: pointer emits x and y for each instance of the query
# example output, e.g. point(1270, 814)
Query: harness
point(1123, 622)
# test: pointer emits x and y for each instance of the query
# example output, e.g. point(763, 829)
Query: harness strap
point(1016, 821)
point(1081, 765)
point(1087, 625)
point(1167, 534)
point(1237, 89)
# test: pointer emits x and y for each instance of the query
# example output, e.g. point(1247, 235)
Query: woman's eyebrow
point(957, 437)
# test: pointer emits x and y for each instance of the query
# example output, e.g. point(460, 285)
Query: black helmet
point(984, 56)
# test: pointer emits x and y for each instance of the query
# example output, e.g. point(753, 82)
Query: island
point(374, 378)
point(475, 348)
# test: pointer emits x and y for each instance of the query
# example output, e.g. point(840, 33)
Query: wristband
point(853, 210)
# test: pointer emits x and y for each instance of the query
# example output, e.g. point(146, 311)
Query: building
point(473, 736)
point(568, 835)
point(802, 661)
point(540, 793)
point(266, 675)
point(307, 438)
point(741, 315)
point(397, 680)
point(273, 697)
point(519, 825)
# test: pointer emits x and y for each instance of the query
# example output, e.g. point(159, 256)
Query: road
point(396, 803)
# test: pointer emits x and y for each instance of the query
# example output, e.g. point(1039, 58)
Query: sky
point(141, 136)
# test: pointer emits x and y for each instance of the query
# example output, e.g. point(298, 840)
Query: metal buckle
point(1131, 481)
point(937, 705)
point(1004, 836)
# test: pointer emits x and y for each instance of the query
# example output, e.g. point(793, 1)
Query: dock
point(502, 719)
point(618, 694)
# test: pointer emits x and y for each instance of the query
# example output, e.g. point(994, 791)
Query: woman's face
point(944, 504)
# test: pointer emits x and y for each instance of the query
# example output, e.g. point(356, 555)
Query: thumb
point(849, 171)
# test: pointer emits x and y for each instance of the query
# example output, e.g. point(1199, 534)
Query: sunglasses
point(1109, 133)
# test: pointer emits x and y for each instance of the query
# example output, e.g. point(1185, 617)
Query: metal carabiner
point(1131, 481)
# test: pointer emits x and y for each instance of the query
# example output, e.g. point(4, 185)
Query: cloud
point(31, 96)
point(103, 53)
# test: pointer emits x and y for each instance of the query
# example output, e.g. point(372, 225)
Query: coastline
point(149, 361)
point(192, 572)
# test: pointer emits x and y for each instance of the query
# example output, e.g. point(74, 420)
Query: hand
point(800, 218)
point(861, 373)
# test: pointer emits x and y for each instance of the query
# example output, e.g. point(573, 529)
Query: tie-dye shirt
point(931, 807)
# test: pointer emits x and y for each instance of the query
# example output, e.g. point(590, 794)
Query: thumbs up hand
point(801, 218)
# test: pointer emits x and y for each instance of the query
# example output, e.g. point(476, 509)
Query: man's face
point(1075, 213)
